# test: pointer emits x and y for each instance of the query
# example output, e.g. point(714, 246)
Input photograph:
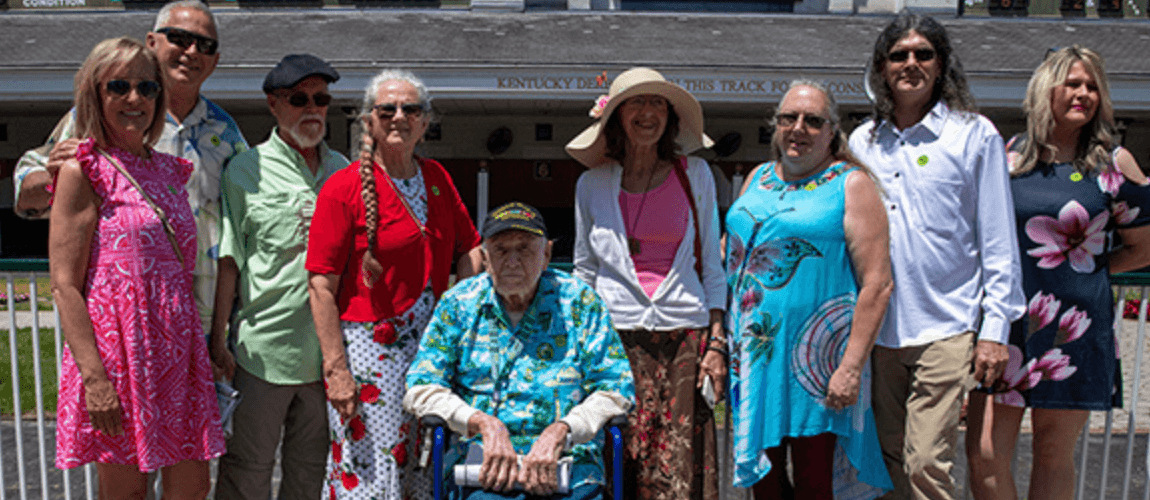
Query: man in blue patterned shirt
point(185, 41)
point(526, 358)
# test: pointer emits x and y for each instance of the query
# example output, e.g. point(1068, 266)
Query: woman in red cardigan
point(385, 232)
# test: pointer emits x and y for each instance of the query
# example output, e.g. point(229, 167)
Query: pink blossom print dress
point(1062, 352)
point(145, 322)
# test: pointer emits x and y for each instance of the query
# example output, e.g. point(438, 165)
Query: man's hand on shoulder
point(35, 200)
point(61, 152)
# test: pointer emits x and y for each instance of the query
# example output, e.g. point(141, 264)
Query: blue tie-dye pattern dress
point(792, 293)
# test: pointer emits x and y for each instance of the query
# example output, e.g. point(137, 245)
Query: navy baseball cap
point(293, 68)
point(514, 215)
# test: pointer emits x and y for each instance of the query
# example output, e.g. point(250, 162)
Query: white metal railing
point(27, 464)
point(27, 470)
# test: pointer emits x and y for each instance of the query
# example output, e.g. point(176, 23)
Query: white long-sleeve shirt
point(954, 252)
point(602, 258)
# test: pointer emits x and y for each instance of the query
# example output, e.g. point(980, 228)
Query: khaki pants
point(917, 400)
point(300, 411)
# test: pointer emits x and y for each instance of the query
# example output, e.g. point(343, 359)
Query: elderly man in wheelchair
point(523, 359)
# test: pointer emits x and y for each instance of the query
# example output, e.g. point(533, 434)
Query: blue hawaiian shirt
point(528, 376)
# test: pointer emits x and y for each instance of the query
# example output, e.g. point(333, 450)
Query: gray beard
point(303, 140)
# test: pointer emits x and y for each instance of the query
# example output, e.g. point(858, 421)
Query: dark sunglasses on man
point(787, 120)
point(920, 55)
point(148, 89)
point(300, 99)
point(388, 111)
point(183, 38)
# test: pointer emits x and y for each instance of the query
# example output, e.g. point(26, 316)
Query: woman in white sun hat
point(647, 240)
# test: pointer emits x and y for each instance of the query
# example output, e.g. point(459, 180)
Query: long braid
point(371, 268)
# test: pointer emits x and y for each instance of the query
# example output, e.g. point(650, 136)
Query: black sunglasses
point(183, 38)
point(388, 110)
point(148, 89)
point(921, 55)
point(787, 120)
point(1050, 51)
point(300, 99)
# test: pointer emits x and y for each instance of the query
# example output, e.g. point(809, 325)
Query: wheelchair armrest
point(613, 455)
point(432, 421)
point(619, 421)
point(435, 434)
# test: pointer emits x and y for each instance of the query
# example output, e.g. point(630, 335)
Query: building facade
point(512, 81)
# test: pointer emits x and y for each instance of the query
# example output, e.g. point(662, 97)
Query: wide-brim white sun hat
point(590, 146)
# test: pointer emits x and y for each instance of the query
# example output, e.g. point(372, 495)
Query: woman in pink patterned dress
point(136, 390)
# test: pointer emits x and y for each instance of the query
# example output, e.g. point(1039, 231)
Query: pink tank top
point(659, 222)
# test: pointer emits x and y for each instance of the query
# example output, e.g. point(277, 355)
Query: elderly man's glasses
point(920, 55)
point(148, 89)
point(787, 120)
point(183, 38)
point(388, 111)
point(300, 99)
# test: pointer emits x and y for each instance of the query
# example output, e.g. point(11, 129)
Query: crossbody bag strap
point(168, 229)
point(681, 171)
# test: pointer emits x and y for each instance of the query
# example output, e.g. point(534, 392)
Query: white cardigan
point(603, 261)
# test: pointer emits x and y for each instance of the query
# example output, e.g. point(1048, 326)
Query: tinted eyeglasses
point(388, 111)
point(787, 120)
point(300, 99)
point(920, 55)
point(148, 89)
point(183, 38)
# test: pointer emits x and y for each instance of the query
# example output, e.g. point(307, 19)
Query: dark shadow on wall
point(21, 237)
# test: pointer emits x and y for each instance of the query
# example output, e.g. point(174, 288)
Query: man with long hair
point(954, 254)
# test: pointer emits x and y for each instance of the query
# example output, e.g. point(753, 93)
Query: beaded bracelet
point(722, 352)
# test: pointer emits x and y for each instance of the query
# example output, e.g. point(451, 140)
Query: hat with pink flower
point(590, 146)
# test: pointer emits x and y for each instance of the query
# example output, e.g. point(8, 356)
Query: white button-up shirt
point(954, 253)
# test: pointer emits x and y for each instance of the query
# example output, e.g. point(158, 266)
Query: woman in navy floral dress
point(1074, 188)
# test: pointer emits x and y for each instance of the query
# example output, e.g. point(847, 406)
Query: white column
point(481, 195)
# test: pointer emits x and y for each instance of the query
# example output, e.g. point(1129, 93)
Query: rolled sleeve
point(586, 418)
point(437, 400)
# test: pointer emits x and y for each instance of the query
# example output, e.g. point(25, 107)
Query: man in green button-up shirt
point(268, 195)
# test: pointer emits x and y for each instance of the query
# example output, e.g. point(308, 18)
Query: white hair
point(394, 75)
point(165, 13)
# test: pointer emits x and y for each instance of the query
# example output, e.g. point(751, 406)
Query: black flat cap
point(293, 68)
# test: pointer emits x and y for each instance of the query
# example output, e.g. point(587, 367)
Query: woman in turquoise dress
point(1074, 189)
point(808, 264)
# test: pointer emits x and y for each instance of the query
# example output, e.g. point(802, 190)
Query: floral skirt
point(373, 455)
point(670, 439)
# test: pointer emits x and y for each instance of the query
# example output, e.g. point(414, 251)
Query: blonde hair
point(839, 144)
point(1095, 139)
point(371, 268)
point(105, 57)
